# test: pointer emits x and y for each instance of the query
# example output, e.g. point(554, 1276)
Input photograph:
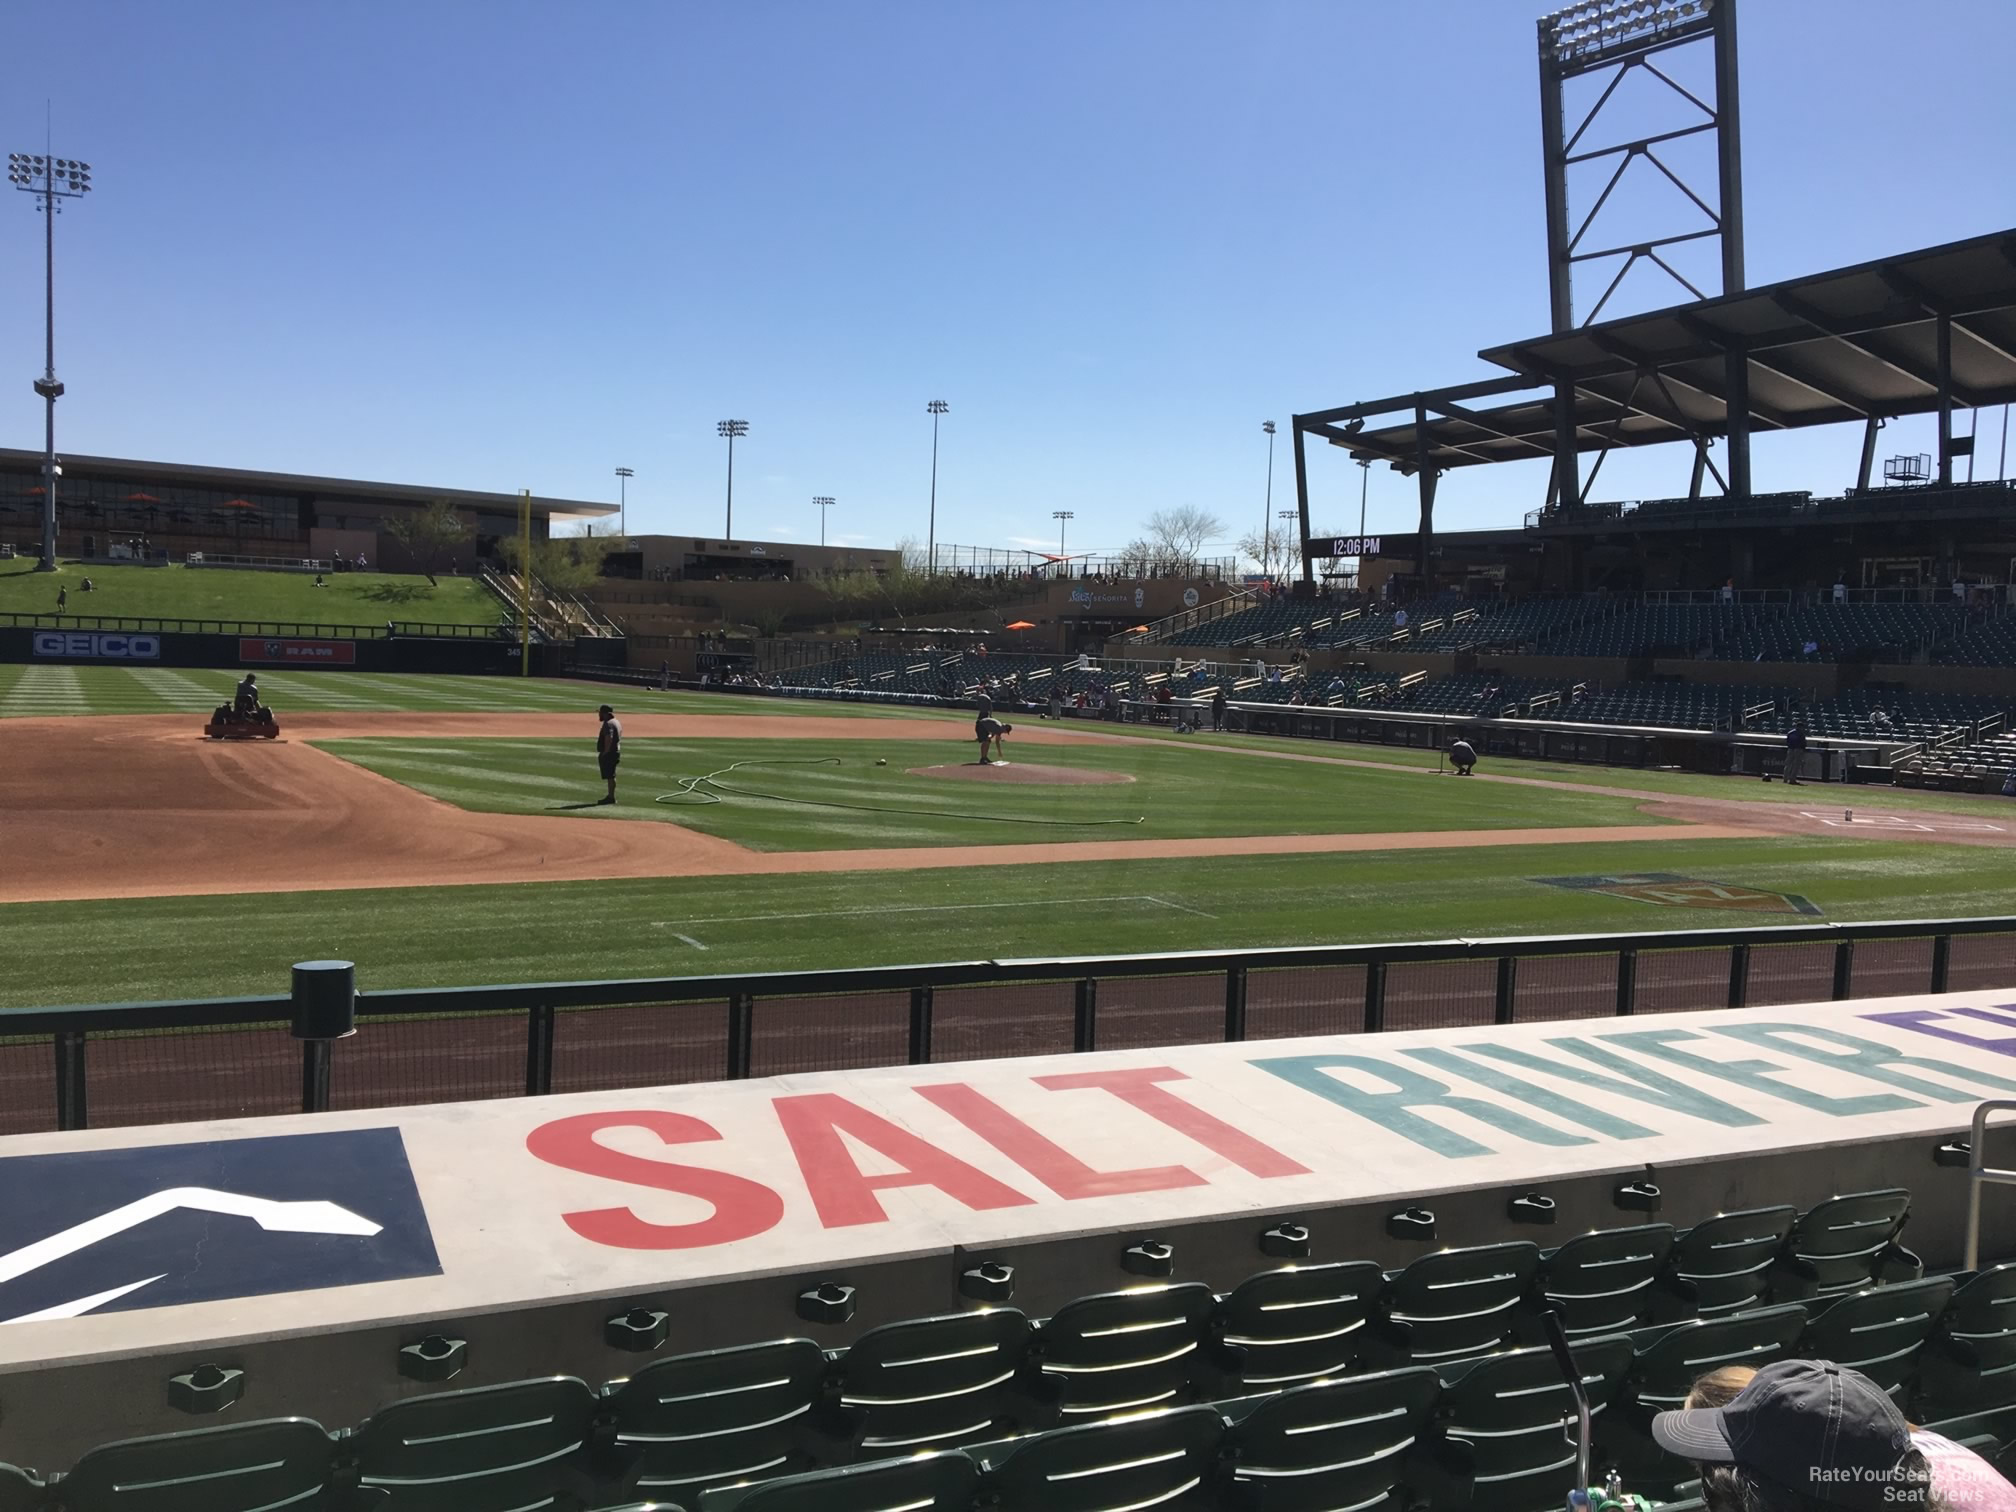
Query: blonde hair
point(1719, 1387)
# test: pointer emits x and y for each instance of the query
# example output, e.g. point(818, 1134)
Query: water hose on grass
point(695, 792)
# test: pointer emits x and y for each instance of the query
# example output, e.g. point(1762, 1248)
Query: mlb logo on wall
point(161, 1225)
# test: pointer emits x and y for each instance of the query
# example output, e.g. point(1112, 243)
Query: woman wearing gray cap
point(1805, 1436)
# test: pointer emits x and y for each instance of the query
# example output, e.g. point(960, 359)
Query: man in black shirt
point(609, 748)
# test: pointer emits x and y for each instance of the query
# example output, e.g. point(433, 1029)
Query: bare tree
point(1179, 532)
point(1280, 550)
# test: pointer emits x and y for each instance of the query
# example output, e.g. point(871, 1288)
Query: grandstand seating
point(1271, 619)
point(1303, 1387)
point(1978, 643)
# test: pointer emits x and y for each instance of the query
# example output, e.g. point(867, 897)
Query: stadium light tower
point(730, 429)
point(934, 409)
point(1061, 516)
point(51, 180)
point(1268, 509)
point(825, 503)
point(623, 477)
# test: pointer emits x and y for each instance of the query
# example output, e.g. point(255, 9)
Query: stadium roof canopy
point(1858, 343)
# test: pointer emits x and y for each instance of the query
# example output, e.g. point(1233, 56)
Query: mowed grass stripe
point(150, 948)
point(832, 795)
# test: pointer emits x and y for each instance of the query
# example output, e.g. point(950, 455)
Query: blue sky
point(501, 244)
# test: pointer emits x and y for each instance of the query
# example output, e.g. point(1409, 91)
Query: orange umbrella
point(1022, 625)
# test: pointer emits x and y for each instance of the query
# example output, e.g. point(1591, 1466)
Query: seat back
point(1127, 1350)
point(1879, 1332)
point(1304, 1323)
point(939, 1382)
point(20, 1490)
point(511, 1448)
point(1156, 1459)
point(1665, 1371)
point(1971, 1361)
point(1724, 1264)
point(1603, 1282)
point(1456, 1303)
point(1841, 1244)
point(723, 1415)
point(236, 1469)
point(919, 1483)
point(1331, 1444)
point(1504, 1416)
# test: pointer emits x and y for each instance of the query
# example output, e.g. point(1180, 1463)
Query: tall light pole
point(1287, 557)
point(52, 180)
point(825, 503)
point(623, 477)
point(1364, 482)
point(1060, 516)
point(731, 429)
point(1267, 510)
point(934, 409)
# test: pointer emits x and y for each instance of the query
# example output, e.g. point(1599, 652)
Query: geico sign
point(102, 646)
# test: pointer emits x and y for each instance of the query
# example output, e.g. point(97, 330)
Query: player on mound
point(609, 747)
point(989, 730)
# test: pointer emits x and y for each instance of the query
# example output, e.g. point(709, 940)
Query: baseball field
point(444, 831)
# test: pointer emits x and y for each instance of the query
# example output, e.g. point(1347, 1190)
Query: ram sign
point(97, 645)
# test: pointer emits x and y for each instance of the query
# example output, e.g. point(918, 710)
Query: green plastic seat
point(1970, 1362)
point(933, 1383)
point(919, 1483)
point(20, 1490)
point(520, 1447)
point(1603, 1282)
point(1880, 1332)
point(1302, 1323)
point(1453, 1305)
point(1497, 1435)
point(723, 1415)
point(1845, 1244)
point(247, 1467)
point(1167, 1460)
point(1332, 1444)
point(1723, 1264)
point(1126, 1351)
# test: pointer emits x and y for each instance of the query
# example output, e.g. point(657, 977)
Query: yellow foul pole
point(525, 583)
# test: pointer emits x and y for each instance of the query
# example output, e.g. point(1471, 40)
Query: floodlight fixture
point(824, 503)
point(1061, 516)
point(51, 180)
point(728, 430)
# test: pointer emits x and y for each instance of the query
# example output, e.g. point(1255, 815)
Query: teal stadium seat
point(1126, 1351)
point(1970, 1361)
point(938, 1382)
point(920, 1483)
point(1301, 1323)
point(1604, 1282)
point(1329, 1445)
point(1723, 1264)
point(1496, 1443)
point(247, 1467)
point(1845, 1244)
point(1880, 1332)
point(1167, 1460)
point(521, 1447)
point(20, 1490)
point(1453, 1304)
point(725, 1415)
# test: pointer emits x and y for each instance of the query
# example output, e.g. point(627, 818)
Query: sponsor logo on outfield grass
point(1672, 891)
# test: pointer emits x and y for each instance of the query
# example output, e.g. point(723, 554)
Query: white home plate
point(1925, 824)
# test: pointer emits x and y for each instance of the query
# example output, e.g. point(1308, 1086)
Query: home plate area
point(1922, 824)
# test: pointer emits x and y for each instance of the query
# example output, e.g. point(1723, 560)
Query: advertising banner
point(97, 645)
point(300, 653)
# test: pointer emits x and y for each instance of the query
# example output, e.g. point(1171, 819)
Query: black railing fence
point(288, 629)
point(139, 1063)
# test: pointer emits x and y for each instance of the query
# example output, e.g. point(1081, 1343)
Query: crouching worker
point(988, 731)
point(1462, 756)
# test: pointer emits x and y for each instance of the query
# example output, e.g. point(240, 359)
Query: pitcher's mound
point(1017, 771)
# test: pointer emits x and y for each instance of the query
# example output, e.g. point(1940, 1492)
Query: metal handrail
point(1980, 1173)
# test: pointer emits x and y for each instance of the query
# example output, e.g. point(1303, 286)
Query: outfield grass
point(198, 593)
point(38, 690)
point(793, 795)
point(151, 948)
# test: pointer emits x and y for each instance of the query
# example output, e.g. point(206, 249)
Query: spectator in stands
point(1463, 757)
point(1960, 1478)
point(1880, 720)
point(1729, 591)
point(1840, 590)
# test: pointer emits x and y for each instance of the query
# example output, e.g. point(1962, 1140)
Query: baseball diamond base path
point(143, 806)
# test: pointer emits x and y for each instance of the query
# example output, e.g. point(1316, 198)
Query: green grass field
point(201, 947)
point(200, 593)
point(830, 795)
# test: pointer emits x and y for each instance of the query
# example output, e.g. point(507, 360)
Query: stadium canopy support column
point(1736, 366)
point(1567, 474)
point(1700, 468)
point(1425, 476)
point(1869, 429)
point(1944, 326)
point(1302, 501)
